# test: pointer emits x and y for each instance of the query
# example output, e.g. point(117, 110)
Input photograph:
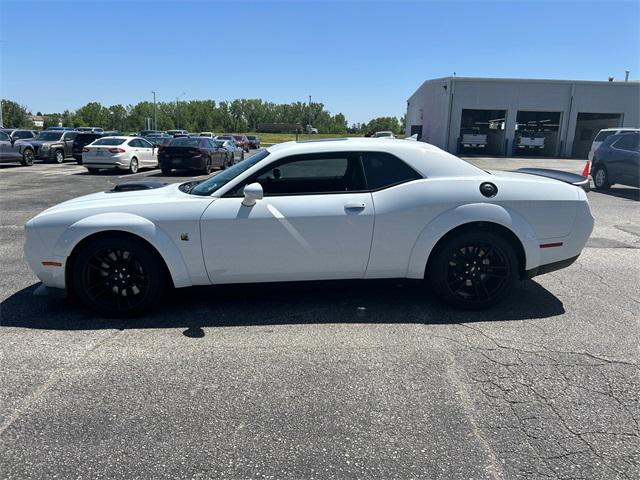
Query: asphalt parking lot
point(324, 380)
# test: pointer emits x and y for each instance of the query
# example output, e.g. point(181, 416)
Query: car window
point(383, 170)
point(184, 142)
point(70, 135)
point(144, 143)
point(4, 137)
point(628, 142)
point(218, 181)
point(23, 134)
point(109, 141)
point(603, 135)
point(135, 143)
point(312, 174)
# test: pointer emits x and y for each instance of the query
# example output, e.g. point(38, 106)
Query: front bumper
point(49, 268)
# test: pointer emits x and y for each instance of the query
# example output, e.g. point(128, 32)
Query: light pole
point(155, 112)
point(178, 110)
point(310, 125)
point(1, 121)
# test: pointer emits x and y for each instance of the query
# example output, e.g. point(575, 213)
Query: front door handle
point(355, 205)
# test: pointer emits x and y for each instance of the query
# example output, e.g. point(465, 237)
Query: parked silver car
point(12, 150)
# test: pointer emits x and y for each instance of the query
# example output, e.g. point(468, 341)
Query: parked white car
point(603, 135)
point(125, 153)
point(357, 208)
point(384, 134)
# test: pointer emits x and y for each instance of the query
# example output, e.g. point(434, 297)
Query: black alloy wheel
point(474, 270)
point(27, 157)
point(118, 276)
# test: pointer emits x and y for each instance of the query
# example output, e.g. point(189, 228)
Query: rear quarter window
point(384, 170)
point(602, 136)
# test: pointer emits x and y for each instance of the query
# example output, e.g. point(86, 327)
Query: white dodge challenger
point(316, 210)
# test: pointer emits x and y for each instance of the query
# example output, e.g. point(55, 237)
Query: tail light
point(86, 150)
point(117, 150)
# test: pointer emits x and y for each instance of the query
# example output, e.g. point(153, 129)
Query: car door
point(6, 151)
point(148, 153)
point(67, 140)
point(315, 222)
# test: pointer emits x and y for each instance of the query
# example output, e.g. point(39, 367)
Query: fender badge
point(184, 237)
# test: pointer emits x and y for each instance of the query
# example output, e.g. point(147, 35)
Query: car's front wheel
point(27, 157)
point(208, 167)
point(118, 275)
point(474, 270)
point(601, 178)
point(59, 156)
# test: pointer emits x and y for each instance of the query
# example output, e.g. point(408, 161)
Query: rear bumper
point(550, 267)
point(183, 163)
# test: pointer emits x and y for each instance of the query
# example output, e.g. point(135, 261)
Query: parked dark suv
point(82, 140)
point(617, 160)
point(54, 145)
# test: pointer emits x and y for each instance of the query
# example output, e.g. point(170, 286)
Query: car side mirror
point(252, 192)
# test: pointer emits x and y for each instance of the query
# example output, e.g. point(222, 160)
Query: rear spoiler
point(566, 177)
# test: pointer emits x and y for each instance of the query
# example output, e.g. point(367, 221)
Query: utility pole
point(1, 120)
point(178, 110)
point(310, 124)
point(155, 112)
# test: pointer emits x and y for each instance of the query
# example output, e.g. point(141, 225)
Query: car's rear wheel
point(59, 156)
point(27, 157)
point(601, 178)
point(133, 165)
point(473, 270)
point(207, 167)
point(118, 276)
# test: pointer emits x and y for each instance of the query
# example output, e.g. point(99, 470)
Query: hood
point(114, 201)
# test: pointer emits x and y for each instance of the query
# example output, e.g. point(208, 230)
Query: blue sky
point(359, 58)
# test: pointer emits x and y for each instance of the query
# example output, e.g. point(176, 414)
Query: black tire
point(27, 157)
point(133, 165)
point(58, 156)
point(600, 177)
point(208, 167)
point(473, 270)
point(118, 276)
point(242, 156)
point(93, 170)
point(166, 171)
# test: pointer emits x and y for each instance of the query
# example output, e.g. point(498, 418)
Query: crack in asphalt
point(547, 416)
point(53, 379)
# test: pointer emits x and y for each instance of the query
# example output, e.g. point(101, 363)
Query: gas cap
point(488, 189)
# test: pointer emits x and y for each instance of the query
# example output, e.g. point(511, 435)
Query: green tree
point(15, 115)
point(384, 123)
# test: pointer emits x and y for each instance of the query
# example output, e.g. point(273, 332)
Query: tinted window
point(603, 135)
point(184, 142)
point(23, 134)
point(628, 142)
point(144, 143)
point(4, 137)
point(214, 183)
point(310, 174)
point(383, 170)
point(70, 136)
point(50, 136)
point(109, 141)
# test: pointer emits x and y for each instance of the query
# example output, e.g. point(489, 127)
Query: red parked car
point(242, 140)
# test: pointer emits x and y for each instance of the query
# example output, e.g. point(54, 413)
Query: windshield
point(225, 176)
point(219, 143)
point(50, 136)
point(109, 141)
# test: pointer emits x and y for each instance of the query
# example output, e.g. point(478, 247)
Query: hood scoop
point(141, 185)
